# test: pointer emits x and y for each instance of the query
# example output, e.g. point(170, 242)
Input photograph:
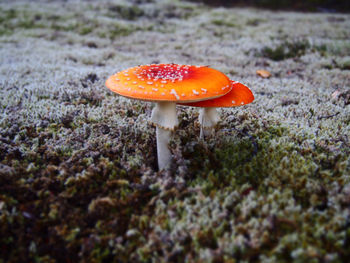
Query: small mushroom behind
point(167, 85)
point(209, 116)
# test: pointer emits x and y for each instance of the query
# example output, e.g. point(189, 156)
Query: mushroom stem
point(163, 152)
point(208, 118)
point(164, 117)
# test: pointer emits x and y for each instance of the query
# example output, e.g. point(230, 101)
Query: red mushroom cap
point(170, 82)
point(239, 95)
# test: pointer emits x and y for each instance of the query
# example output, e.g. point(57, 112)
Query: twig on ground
point(327, 116)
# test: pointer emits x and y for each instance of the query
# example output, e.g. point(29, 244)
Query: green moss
point(322, 49)
point(220, 22)
point(340, 48)
point(7, 15)
point(85, 30)
point(254, 21)
point(342, 64)
point(286, 50)
point(336, 48)
point(12, 20)
point(247, 161)
point(118, 30)
point(127, 12)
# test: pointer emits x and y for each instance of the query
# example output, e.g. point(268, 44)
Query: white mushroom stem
point(208, 118)
point(163, 152)
point(165, 119)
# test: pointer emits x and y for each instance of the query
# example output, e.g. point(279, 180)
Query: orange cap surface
point(170, 82)
point(239, 95)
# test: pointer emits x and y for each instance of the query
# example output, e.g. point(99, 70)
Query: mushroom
point(209, 116)
point(168, 84)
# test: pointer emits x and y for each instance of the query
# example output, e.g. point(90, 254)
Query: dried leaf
point(263, 73)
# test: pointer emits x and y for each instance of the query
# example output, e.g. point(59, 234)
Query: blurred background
point(310, 5)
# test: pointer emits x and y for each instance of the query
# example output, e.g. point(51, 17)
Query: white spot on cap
point(163, 94)
point(134, 82)
point(154, 89)
point(242, 103)
point(204, 90)
point(149, 82)
point(195, 92)
point(128, 78)
point(175, 94)
point(163, 81)
point(183, 94)
point(141, 87)
point(233, 102)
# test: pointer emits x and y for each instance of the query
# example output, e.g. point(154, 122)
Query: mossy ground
point(78, 177)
